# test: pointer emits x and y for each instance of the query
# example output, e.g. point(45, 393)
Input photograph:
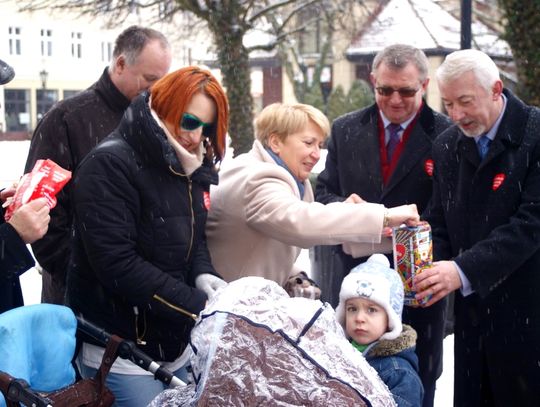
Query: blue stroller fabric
point(37, 343)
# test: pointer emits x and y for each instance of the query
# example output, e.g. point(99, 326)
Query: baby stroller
point(37, 345)
point(254, 345)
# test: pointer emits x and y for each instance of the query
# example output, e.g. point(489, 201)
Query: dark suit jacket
point(486, 216)
point(353, 163)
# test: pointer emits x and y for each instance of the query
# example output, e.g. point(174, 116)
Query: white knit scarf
point(190, 161)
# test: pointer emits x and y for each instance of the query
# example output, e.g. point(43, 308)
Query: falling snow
point(12, 160)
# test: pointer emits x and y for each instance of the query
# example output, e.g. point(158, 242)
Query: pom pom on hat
point(377, 282)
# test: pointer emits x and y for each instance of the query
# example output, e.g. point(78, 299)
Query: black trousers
point(429, 324)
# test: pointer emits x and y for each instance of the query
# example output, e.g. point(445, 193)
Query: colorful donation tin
point(413, 252)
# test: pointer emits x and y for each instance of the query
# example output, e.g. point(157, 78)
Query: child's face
point(365, 321)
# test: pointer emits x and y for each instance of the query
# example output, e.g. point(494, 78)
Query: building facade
point(57, 53)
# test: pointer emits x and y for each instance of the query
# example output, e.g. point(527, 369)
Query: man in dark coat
point(485, 214)
point(74, 126)
point(358, 161)
point(27, 224)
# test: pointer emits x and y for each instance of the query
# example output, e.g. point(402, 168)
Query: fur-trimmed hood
point(390, 347)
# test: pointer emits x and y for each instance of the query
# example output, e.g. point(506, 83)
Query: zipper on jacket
point(174, 307)
point(140, 338)
point(192, 218)
point(190, 189)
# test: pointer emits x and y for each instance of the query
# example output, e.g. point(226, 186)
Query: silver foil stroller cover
point(254, 345)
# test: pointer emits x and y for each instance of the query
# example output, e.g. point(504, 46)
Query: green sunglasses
point(190, 123)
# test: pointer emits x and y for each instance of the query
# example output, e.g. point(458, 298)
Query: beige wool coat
point(257, 222)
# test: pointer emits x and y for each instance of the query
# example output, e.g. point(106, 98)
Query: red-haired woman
point(141, 268)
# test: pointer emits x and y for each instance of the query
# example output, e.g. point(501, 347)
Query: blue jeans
point(133, 390)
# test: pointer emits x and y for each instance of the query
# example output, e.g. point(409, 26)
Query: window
point(17, 102)
point(106, 51)
point(76, 45)
point(45, 99)
point(309, 38)
point(70, 93)
point(14, 34)
point(46, 43)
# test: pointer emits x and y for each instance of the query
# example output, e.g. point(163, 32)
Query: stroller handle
point(18, 390)
point(128, 350)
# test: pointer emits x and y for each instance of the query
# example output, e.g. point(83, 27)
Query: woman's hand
point(354, 198)
point(398, 215)
point(209, 283)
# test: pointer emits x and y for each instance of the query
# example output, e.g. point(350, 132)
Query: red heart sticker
point(206, 197)
point(400, 251)
point(497, 181)
point(428, 167)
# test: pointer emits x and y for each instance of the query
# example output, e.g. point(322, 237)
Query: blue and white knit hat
point(377, 282)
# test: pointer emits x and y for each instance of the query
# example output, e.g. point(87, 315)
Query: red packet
point(44, 181)
point(413, 252)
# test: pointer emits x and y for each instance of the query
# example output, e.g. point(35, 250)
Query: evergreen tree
point(360, 95)
point(337, 104)
point(522, 31)
point(314, 96)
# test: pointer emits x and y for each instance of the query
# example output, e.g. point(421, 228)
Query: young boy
point(370, 306)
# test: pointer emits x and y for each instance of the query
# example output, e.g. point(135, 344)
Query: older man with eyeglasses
point(383, 154)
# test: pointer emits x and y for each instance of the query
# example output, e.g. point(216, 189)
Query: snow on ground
point(12, 160)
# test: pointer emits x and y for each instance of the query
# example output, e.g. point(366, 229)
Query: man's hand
point(439, 281)
point(31, 220)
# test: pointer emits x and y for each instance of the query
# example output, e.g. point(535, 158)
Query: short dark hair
point(133, 39)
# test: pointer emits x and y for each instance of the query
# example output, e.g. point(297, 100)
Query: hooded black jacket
point(139, 237)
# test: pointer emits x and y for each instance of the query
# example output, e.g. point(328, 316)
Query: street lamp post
point(43, 74)
point(466, 19)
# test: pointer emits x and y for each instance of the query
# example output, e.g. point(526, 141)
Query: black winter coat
point(353, 164)
point(139, 237)
point(65, 135)
point(485, 216)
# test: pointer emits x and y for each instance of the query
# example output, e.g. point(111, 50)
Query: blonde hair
point(284, 119)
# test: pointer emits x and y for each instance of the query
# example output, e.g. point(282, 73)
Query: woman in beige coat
point(262, 212)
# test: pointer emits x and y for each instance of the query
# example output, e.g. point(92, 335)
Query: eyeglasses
point(403, 92)
point(191, 123)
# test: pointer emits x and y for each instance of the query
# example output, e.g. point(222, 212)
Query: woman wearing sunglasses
point(141, 268)
point(263, 211)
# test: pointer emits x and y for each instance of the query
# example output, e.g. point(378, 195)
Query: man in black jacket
point(27, 224)
point(485, 215)
point(383, 154)
point(74, 126)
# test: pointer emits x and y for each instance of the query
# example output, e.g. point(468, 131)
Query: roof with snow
point(425, 25)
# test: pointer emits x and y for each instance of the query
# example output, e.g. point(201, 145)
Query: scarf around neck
point(282, 164)
point(190, 161)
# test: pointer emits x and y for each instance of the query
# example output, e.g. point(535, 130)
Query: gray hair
point(397, 57)
point(132, 41)
point(469, 60)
